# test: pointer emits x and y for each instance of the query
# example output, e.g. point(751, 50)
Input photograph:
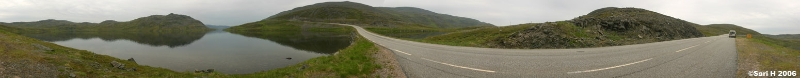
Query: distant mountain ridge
point(720, 29)
point(357, 13)
point(153, 23)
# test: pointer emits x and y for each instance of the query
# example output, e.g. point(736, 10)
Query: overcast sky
point(766, 16)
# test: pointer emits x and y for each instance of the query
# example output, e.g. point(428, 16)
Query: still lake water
point(223, 51)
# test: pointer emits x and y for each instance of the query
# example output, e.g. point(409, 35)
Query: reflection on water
point(171, 39)
point(323, 42)
point(222, 51)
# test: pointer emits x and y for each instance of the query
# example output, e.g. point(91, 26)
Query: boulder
point(118, 65)
point(303, 67)
point(132, 60)
point(132, 69)
point(95, 65)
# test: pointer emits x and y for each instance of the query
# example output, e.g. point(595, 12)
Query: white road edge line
point(401, 52)
point(490, 71)
point(608, 67)
point(687, 48)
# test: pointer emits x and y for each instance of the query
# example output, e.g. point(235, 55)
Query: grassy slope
point(407, 32)
point(353, 61)
point(477, 37)
point(793, 40)
point(428, 18)
point(591, 30)
point(763, 54)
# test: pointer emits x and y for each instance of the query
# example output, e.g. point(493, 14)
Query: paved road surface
point(706, 57)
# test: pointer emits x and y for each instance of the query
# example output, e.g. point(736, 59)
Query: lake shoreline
point(70, 62)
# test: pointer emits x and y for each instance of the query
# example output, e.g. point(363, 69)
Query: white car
point(732, 34)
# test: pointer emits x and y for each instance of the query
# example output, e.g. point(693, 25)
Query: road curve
point(705, 57)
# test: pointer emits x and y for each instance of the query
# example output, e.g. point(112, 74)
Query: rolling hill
point(719, 29)
point(361, 14)
point(609, 26)
point(410, 21)
point(153, 23)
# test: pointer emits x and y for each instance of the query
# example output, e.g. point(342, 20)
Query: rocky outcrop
point(204, 71)
point(118, 65)
point(545, 35)
point(132, 60)
point(636, 21)
point(603, 27)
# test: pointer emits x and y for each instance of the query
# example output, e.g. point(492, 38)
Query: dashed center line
point(608, 67)
point(401, 52)
point(687, 48)
point(490, 71)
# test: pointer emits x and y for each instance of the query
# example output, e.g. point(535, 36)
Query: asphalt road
point(705, 57)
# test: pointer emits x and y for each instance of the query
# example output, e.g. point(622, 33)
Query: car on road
point(732, 34)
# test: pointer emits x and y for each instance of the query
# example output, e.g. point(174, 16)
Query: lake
point(222, 51)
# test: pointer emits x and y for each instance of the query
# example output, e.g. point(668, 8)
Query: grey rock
point(209, 70)
point(118, 65)
point(72, 75)
point(132, 60)
point(204, 71)
point(132, 69)
point(95, 65)
point(640, 36)
point(303, 67)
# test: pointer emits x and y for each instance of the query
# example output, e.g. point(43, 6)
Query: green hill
point(791, 40)
point(400, 22)
point(365, 15)
point(603, 27)
point(154, 23)
point(795, 37)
